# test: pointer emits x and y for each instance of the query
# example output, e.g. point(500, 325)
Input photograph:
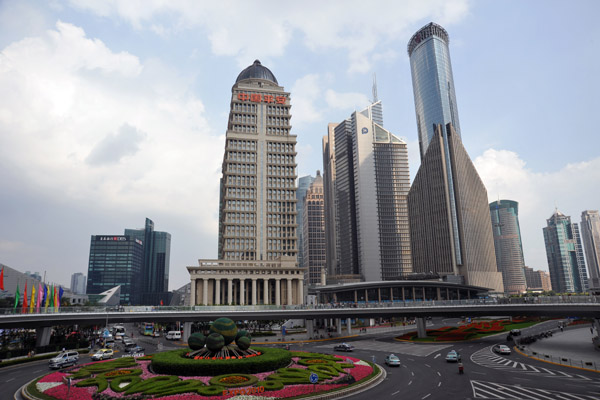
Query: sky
point(114, 111)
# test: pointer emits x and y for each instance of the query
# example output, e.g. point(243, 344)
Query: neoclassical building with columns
point(216, 282)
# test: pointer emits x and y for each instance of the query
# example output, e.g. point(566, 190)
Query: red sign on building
point(260, 98)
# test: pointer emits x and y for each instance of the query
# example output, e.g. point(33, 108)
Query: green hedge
point(175, 363)
point(26, 360)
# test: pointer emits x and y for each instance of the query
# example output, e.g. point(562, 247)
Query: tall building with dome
point(257, 246)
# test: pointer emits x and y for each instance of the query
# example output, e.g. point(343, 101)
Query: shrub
point(115, 384)
point(101, 383)
point(271, 384)
point(174, 363)
point(234, 380)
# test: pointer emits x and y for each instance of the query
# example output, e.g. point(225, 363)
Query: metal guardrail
point(593, 365)
point(542, 300)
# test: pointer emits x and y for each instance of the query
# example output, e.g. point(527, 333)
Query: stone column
point(366, 296)
point(242, 292)
point(391, 295)
point(266, 291)
point(205, 291)
point(254, 301)
point(338, 326)
point(300, 291)
point(187, 330)
point(218, 291)
point(278, 291)
point(193, 292)
point(421, 331)
point(355, 297)
point(349, 325)
point(379, 295)
point(229, 291)
point(42, 336)
point(289, 291)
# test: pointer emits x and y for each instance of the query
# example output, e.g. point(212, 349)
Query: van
point(64, 359)
point(173, 335)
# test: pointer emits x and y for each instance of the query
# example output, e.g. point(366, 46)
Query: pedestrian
point(461, 368)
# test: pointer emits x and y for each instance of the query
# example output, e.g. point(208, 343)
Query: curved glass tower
point(433, 85)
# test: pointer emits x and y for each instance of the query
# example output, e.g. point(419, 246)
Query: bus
point(147, 328)
point(118, 332)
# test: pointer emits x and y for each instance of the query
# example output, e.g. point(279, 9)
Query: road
point(423, 374)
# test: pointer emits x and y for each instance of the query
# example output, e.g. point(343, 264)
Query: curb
point(374, 381)
point(551, 362)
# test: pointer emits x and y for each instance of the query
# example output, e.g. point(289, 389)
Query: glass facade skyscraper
point(565, 254)
point(590, 230)
point(116, 261)
point(507, 242)
point(304, 183)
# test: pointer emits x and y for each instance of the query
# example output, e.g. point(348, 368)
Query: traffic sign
point(313, 378)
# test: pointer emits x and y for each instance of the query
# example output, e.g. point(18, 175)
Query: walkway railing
point(542, 300)
point(593, 365)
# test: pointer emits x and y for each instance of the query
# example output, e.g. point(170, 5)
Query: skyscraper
point(371, 185)
point(507, 242)
point(449, 217)
point(313, 226)
point(258, 249)
point(78, 283)
point(157, 256)
point(331, 218)
point(537, 280)
point(565, 254)
point(303, 184)
point(116, 261)
point(590, 231)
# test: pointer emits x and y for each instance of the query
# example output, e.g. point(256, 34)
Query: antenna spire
point(375, 99)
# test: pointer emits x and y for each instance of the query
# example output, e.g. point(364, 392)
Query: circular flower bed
point(117, 379)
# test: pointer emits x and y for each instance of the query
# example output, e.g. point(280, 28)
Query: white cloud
point(345, 101)
point(306, 92)
point(264, 29)
point(85, 123)
point(572, 188)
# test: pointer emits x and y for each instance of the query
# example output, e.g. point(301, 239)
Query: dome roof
point(257, 71)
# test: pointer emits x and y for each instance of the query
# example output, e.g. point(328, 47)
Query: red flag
point(161, 303)
point(2, 279)
point(24, 305)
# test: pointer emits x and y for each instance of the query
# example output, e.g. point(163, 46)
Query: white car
point(102, 354)
point(502, 349)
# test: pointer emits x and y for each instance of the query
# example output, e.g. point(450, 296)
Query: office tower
point(157, 256)
point(116, 261)
point(313, 226)
point(590, 231)
point(565, 254)
point(78, 283)
point(450, 226)
point(303, 185)
point(371, 185)
point(258, 249)
point(537, 280)
point(331, 219)
point(508, 245)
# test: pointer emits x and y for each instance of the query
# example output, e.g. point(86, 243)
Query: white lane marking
point(413, 374)
point(439, 373)
point(11, 379)
point(437, 355)
point(426, 396)
point(439, 384)
point(409, 383)
point(395, 392)
point(39, 370)
point(427, 365)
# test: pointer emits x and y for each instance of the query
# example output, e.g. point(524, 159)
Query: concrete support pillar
point(338, 325)
point(391, 295)
point(379, 295)
point(254, 297)
point(187, 331)
point(242, 292)
point(289, 291)
point(218, 291)
point(439, 294)
point(300, 291)
point(205, 291)
point(229, 290)
point(366, 296)
point(266, 291)
point(42, 336)
point(355, 297)
point(421, 331)
point(193, 292)
point(403, 295)
point(310, 327)
point(349, 325)
point(278, 291)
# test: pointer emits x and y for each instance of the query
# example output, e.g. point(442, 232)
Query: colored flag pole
point(17, 295)
point(39, 299)
point(2, 279)
point(46, 299)
point(32, 302)
point(55, 298)
point(24, 304)
point(60, 295)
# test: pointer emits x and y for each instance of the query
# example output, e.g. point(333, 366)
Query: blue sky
point(113, 111)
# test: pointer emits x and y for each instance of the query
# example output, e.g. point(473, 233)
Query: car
point(453, 356)
point(64, 359)
point(343, 347)
point(173, 335)
point(392, 360)
point(102, 354)
point(134, 350)
point(128, 342)
point(502, 349)
point(156, 334)
point(515, 332)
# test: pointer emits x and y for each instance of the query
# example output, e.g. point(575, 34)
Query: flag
point(2, 279)
point(45, 299)
point(56, 298)
point(24, 304)
point(32, 302)
point(17, 295)
point(161, 303)
point(51, 296)
point(39, 299)
point(60, 294)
